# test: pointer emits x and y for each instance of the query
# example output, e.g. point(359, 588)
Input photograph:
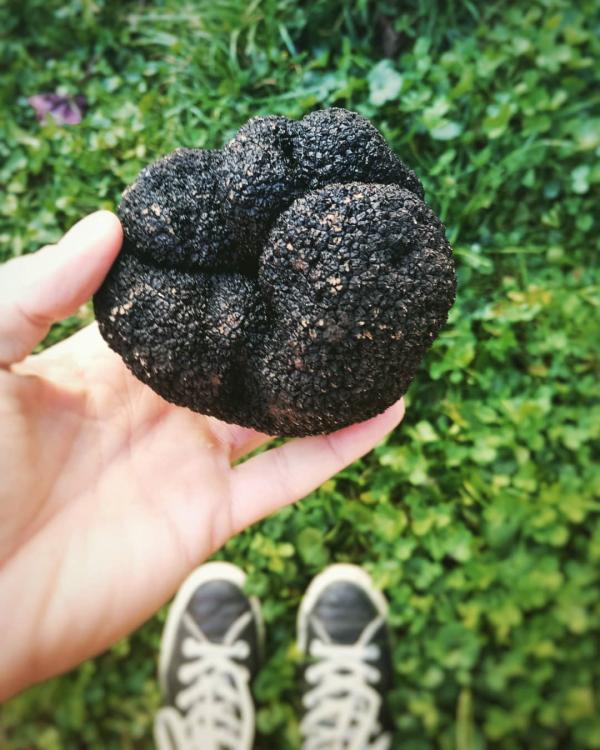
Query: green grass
point(480, 516)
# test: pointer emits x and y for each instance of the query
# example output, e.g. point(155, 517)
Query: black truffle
point(290, 282)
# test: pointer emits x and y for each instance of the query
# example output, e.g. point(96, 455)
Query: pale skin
point(110, 496)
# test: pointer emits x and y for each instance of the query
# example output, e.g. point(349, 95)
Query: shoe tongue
point(343, 611)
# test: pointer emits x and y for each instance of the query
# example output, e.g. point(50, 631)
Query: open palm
point(109, 495)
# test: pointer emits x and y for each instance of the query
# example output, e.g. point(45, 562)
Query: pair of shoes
point(212, 648)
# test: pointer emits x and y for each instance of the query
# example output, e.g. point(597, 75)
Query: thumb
point(38, 289)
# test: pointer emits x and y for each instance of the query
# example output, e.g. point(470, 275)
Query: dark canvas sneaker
point(343, 634)
point(210, 651)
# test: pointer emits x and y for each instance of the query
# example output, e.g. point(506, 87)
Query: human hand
point(110, 496)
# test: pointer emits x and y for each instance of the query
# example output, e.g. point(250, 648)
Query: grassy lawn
point(480, 516)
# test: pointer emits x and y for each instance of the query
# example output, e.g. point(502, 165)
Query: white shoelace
point(343, 707)
point(215, 709)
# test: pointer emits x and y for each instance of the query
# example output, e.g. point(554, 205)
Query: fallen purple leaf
point(64, 110)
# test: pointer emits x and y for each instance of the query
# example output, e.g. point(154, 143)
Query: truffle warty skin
point(291, 282)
